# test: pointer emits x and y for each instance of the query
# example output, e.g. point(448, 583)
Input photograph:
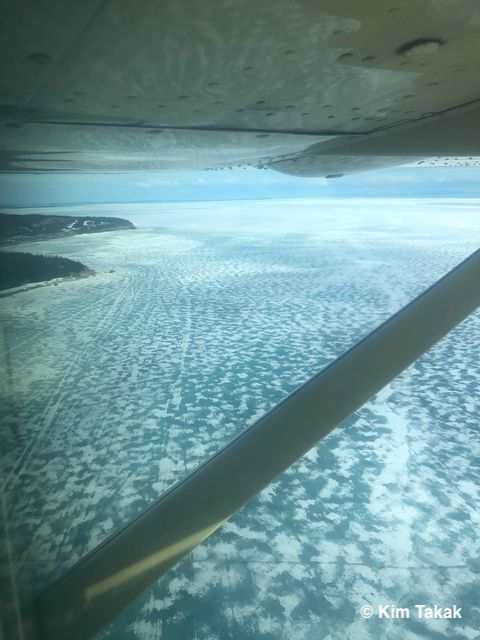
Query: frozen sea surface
point(119, 385)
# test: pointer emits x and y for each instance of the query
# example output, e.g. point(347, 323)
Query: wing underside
point(302, 87)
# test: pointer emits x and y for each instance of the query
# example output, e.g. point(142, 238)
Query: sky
point(407, 181)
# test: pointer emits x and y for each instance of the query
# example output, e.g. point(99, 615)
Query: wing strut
point(101, 585)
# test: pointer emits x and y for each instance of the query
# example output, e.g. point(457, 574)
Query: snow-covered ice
point(117, 386)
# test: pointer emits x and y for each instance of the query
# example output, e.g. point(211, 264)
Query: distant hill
point(18, 268)
point(15, 229)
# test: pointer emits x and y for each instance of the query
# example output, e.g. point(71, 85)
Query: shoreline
point(6, 246)
point(29, 286)
point(25, 245)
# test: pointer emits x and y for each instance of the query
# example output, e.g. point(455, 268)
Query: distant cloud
point(154, 182)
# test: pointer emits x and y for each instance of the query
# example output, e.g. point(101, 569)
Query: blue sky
point(407, 181)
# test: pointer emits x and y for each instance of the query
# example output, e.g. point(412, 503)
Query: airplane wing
point(304, 87)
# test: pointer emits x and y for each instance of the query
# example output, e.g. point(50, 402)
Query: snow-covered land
point(117, 386)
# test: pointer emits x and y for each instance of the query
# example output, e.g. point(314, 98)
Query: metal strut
point(101, 585)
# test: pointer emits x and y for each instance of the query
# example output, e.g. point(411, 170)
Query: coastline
point(16, 245)
point(26, 240)
point(29, 286)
